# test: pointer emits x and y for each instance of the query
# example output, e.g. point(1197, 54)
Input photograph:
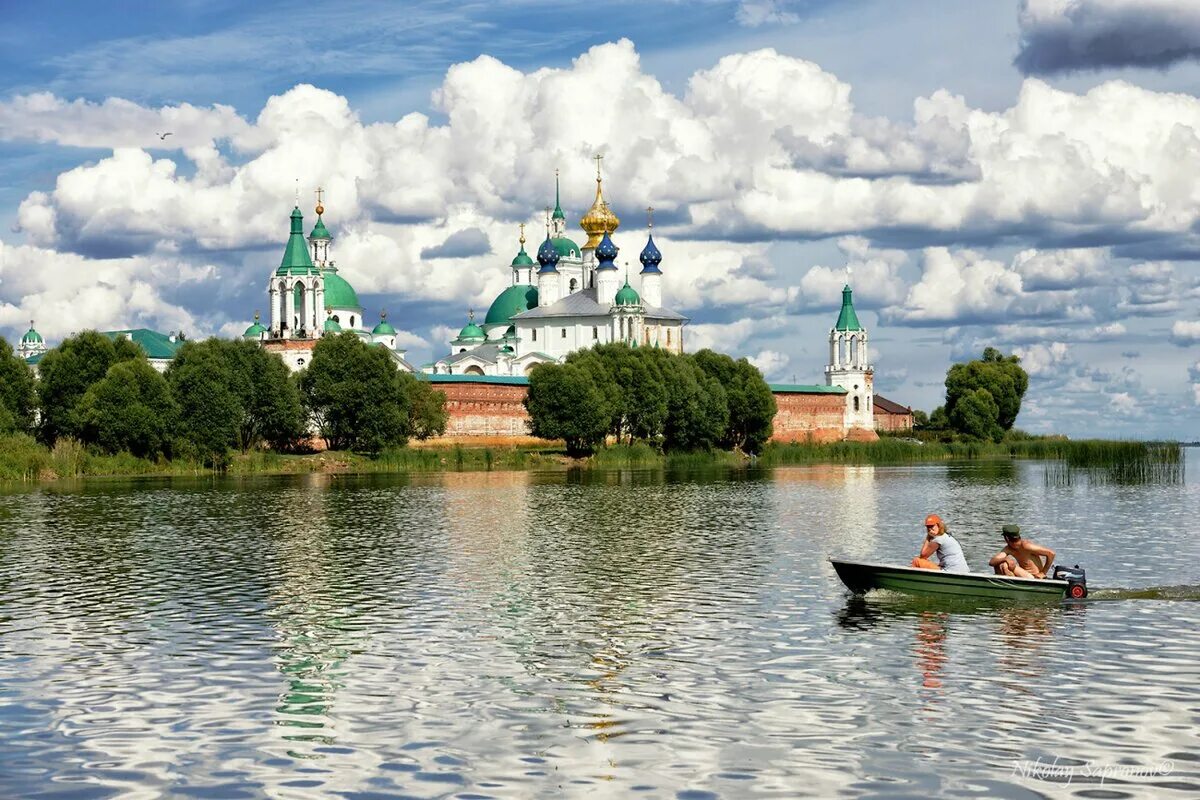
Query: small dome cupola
point(650, 257)
point(599, 219)
point(331, 324)
point(606, 253)
point(547, 256)
point(33, 337)
point(627, 295)
point(384, 328)
point(256, 330)
point(522, 258)
point(471, 332)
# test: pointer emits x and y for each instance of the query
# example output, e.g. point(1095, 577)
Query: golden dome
point(599, 219)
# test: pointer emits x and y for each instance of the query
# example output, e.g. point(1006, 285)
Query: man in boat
point(938, 540)
point(1021, 558)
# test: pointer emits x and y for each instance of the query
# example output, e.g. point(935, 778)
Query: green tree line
point(216, 397)
point(677, 402)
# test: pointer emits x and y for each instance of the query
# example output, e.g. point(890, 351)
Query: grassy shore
point(23, 459)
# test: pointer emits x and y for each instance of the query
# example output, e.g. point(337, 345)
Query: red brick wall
point(803, 417)
point(484, 409)
point(893, 422)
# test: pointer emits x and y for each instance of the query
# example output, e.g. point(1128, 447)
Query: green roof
point(31, 336)
point(332, 326)
point(522, 258)
point(847, 320)
point(319, 230)
point(153, 343)
point(338, 292)
point(471, 333)
point(384, 328)
point(565, 247)
point(296, 260)
point(255, 330)
point(799, 388)
point(512, 301)
point(628, 296)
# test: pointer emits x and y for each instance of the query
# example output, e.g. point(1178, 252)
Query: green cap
point(1011, 530)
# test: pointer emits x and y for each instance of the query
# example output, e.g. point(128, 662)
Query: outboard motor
point(1076, 579)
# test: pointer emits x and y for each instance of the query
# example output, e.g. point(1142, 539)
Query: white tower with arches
point(850, 366)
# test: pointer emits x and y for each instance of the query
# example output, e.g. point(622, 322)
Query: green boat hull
point(860, 578)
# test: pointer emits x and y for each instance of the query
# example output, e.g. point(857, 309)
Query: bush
point(564, 403)
point(129, 409)
point(18, 397)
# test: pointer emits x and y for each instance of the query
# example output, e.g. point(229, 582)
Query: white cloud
point(956, 286)
point(1042, 359)
point(1065, 35)
point(1185, 332)
point(116, 123)
point(874, 275)
point(1061, 269)
point(770, 363)
point(753, 13)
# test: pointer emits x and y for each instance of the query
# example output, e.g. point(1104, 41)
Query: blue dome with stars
point(547, 256)
point(650, 257)
point(606, 253)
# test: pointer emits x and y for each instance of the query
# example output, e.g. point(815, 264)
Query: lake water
point(623, 634)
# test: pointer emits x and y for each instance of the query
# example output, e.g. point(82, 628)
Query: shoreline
point(23, 461)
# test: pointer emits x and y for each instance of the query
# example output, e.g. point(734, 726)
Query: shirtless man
point(1021, 558)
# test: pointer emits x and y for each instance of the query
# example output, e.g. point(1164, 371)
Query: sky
point(1022, 174)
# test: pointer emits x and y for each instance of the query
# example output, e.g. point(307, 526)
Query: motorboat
point(1065, 582)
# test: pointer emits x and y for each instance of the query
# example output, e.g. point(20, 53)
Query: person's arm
point(1045, 553)
point(929, 548)
point(998, 559)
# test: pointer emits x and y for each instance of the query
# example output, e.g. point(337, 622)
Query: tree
point(202, 382)
point(1003, 378)
point(130, 409)
point(920, 420)
point(427, 408)
point(18, 397)
point(270, 408)
point(750, 400)
point(975, 414)
point(564, 403)
point(68, 371)
point(697, 411)
point(938, 421)
point(355, 394)
point(633, 397)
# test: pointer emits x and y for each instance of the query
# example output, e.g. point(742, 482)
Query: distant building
point(159, 348)
point(891, 417)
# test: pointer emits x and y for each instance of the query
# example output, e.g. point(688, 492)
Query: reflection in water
point(540, 634)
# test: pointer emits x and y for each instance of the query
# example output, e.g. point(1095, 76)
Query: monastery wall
point(482, 409)
point(888, 422)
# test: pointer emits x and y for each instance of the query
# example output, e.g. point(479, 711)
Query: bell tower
point(850, 367)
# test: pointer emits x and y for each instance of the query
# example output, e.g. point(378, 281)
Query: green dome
point(384, 328)
point(512, 301)
point(565, 247)
point(338, 292)
point(522, 259)
point(319, 230)
point(627, 296)
point(332, 326)
point(31, 336)
point(254, 331)
point(471, 333)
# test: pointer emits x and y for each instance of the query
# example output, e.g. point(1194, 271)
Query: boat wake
point(1148, 593)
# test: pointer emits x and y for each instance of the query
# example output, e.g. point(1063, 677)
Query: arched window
point(473, 370)
point(856, 402)
point(564, 333)
point(574, 284)
point(668, 337)
point(352, 321)
point(337, 319)
point(622, 327)
point(535, 335)
point(854, 351)
point(595, 332)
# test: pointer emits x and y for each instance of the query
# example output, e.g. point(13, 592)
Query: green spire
point(558, 212)
point(847, 319)
point(296, 259)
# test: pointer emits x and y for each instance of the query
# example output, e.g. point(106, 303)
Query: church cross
point(598, 158)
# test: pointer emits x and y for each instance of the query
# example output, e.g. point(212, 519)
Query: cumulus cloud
point(760, 146)
point(460, 244)
point(874, 274)
point(1061, 269)
point(116, 123)
point(770, 363)
point(1185, 333)
point(1042, 359)
point(1068, 35)
point(958, 286)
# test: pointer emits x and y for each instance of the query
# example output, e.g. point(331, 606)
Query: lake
point(608, 634)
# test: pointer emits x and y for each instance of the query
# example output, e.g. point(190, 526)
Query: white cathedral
point(570, 298)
